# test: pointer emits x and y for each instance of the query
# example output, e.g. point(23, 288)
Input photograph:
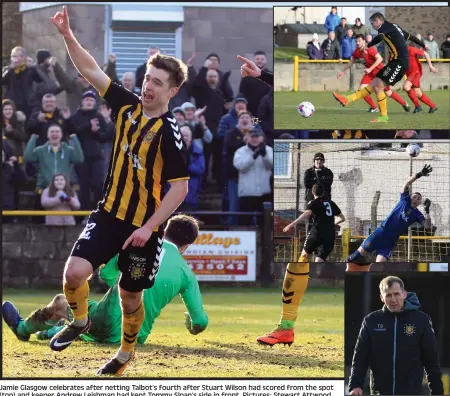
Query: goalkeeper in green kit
point(174, 277)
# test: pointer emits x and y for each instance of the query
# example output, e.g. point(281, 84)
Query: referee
point(148, 153)
point(397, 342)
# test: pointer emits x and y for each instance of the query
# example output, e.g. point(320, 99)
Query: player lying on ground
point(395, 38)
point(384, 238)
point(373, 63)
point(174, 277)
point(320, 240)
point(249, 69)
point(148, 152)
point(413, 76)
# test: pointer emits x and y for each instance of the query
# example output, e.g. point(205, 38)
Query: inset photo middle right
point(361, 203)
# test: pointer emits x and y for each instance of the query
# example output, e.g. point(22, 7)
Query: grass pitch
point(227, 348)
point(331, 115)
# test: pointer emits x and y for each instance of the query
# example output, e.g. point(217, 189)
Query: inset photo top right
point(361, 67)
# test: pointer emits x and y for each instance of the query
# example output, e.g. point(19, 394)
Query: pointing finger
point(244, 59)
point(127, 242)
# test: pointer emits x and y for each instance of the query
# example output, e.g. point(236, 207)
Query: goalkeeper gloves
point(193, 329)
point(426, 205)
point(427, 169)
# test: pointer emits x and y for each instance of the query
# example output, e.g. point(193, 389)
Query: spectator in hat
point(89, 126)
point(140, 71)
point(318, 174)
point(433, 46)
point(202, 134)
point(230, 119)
point(235, 138)
point(341, 29)
point(314, 49)
point(331, 47)
point(359, 28)
point(78, 87)
point(254, 161)
point(445, 48)
point(54, 78)
point(253, 89)
point(348, 45)
point(332, 20)
point(18, 81)
point(179, 115)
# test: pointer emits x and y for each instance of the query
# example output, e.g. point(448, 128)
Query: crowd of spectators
point(60, 156)
point(340, 42)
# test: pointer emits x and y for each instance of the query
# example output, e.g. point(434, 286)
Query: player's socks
point(294, 287)
point(412, 95)
point(370, 102)
point(382, 103)
point(131, 324)
point(362, 93)
point(425, 99)
point(398, 98)
point(78, 303)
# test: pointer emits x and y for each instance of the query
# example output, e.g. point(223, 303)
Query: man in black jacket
point(397, 342)
point(253, 89)
point(331, 47)
point(318, 174)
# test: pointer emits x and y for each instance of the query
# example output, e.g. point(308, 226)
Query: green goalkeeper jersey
point(174, 277)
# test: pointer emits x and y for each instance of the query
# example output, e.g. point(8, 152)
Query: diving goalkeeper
point(174, 277)
point(384, 238)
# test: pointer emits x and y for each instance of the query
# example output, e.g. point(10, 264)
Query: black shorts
point(320, 243)
point(103, 238)
point(393, 72)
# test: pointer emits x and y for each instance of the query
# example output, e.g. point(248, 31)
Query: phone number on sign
point(232, 265)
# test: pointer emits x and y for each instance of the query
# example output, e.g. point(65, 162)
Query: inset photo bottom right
point(397, 327)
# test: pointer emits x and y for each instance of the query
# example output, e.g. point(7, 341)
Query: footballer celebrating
point(148, 153)
point(395, 38)
point(373, 63)
point(320, 240)
point(384, 238)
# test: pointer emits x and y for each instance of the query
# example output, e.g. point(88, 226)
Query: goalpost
point(368, 178)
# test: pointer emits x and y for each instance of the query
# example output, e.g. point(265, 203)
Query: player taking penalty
point(384, 238)
point(413, 76)
point(395, 38)
point(148, 152)
point(373, 63)
point(320, 240)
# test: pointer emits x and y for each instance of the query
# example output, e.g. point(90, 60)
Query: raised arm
point(82, 60)
point(426, 170)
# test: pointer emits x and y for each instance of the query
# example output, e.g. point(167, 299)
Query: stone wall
point(228, 32)
point(11, 30)
point(322, 77)
point(422, 20)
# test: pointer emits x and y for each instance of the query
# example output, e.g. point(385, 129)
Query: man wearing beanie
point(318, 174)
point(54, 78)
point(89, 126)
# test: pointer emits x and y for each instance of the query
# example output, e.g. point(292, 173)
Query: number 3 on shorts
point(329, 212)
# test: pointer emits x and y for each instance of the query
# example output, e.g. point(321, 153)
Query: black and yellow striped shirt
point(147, 153)
point(395, 38)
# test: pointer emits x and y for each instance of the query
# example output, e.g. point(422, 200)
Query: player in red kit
point(413, 76)
point(373, 64)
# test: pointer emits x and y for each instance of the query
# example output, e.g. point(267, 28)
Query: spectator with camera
point(89, 125)
point(59, 196)
point(254, 162)
point(18, 80)
point(13, 131)
point(53, 157)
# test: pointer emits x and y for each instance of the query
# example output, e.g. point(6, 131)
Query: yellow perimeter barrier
point(297, 62)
